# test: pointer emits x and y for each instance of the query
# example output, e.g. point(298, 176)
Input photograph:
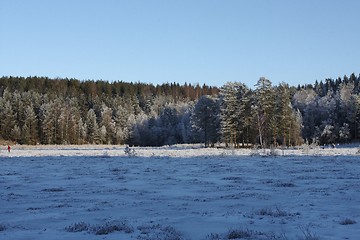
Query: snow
point(178, 192)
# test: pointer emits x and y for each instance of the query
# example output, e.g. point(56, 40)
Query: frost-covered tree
point(328, 135)
point(344, 133)
point(108, 133)
point(234, 102)
point(185, 127)
point(205, 118)
point(286, 122)
point(263, 109)
point(92, 127)
point(7, 120)
point(16, 133)
point(169, 119)
point(29, 133)
point(121, 116)
point(75, 132)
point(47, 122)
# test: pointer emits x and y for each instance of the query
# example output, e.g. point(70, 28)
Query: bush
point(101, 229)
point(77, 227)
point(285, 184)
point(347, 221)
point(235, 234)
point(274, 213)
point(2, 227)
point(110, 227)
point(308, 234)
point(52, 190)
point(156, 231)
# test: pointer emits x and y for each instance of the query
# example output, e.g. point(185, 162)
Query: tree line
point(40, 110)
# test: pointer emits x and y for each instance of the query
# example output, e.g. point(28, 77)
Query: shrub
point(285, 184)
point(235, 234)
point(52, 190)
point(112, 227)
point(274, 213)
point(308, 234)
point(2, 227)
point(213, 236)
point(101, 229)
point(347, 221)
point(77, 227)
point(156, 231)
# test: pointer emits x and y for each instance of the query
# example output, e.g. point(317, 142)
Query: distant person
point(9, 148)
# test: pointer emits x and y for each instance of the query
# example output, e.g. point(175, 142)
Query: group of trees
point(240, 116)
point(38, 110)
point(330, 110)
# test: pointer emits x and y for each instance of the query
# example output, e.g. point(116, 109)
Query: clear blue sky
point(193, 41)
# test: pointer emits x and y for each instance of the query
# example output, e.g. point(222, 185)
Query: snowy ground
point(181, 192)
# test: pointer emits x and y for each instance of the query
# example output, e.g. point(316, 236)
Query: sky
point(189, 41)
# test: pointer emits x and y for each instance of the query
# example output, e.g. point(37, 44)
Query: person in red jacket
point(9, 148)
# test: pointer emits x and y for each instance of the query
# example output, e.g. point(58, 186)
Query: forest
point(40, 110)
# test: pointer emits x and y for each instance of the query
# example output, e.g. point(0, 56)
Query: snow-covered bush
point(110, 227)
point(101, 229)
point(347, 221)
point(156, 231)
point(308, 234)
point(276, 152)
point(246, 234)
point(236, 234)
point(2, 227)
point(77, 227)
point(277, 212)
point(130, 152)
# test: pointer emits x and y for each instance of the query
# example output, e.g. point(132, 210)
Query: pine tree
point(234, 99)
point(263, 109)
point(284, 117)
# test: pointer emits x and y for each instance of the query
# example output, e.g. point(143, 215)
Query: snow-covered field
point(180, 192)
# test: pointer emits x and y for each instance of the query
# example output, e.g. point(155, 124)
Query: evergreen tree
point(205, 118)
point(29, 133)
point(107, 124)
point(286, 118)
point(234, 105)
point(92, 133)
point(263, 109)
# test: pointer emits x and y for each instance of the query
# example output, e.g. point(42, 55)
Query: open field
point(181, 192)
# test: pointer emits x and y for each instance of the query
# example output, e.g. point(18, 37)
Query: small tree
point(327, 135)
point(344, 133)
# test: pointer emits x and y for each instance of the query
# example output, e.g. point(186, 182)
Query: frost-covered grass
point(78, 192)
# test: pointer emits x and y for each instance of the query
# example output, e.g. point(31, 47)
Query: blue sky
point(193, 41)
